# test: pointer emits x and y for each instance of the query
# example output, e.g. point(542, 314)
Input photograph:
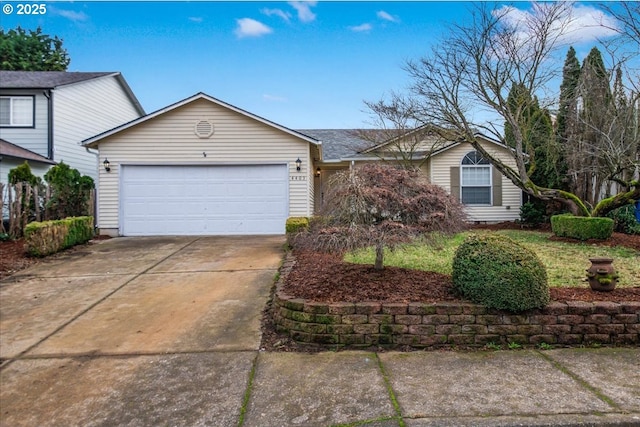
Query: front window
point(16, 111)
point(475, 179)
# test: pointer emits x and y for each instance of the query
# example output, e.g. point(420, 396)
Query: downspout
point(49, 95)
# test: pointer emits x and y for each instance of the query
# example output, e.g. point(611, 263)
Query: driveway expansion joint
point(98, 355)
point(389, 387)
point(583, 383)
point(247, 393)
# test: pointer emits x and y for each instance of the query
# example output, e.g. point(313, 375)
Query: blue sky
point(300, 64)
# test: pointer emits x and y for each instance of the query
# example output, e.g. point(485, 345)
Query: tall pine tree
point(566, 121)
point(567, 108)
point(594, 116)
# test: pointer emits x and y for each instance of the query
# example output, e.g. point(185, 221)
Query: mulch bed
point(13, 257)
point(326, 278)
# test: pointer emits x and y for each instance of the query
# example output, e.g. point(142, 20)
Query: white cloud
point(387, 17)
point(361, 28)
point(248, 27)
point(304, 10)
point(581, 24)
point(274, 98)
point(277, 12)
point(589, 23)
point(72, 15)
point(196, 19)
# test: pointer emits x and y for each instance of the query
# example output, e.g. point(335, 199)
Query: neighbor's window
point(475, 179)
point(16, 111)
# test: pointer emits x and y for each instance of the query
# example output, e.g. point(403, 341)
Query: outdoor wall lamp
point(107, 165)
point(318, 173)
point(298, 164)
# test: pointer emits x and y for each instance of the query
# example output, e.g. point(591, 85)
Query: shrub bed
point(48, 237)
point(581, 227)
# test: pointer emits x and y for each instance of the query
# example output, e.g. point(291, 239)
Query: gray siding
point(83, 110)
point(38, 169)
point(33, 139)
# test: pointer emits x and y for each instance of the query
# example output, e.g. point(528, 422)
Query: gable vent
point(204, 129)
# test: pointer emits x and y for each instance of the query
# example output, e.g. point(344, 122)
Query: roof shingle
point(11, 150)
point(337, 144)
point(44, 79)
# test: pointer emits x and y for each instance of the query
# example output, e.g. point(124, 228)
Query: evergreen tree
point(624, 129)
point(595, 117)
point(538, 136)
point(567, 107)
point(69, 191)
point(31, 51)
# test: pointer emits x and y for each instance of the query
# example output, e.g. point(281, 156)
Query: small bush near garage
point(581, 227)
point(48, 237)
point(497, 272)
point(295, 224)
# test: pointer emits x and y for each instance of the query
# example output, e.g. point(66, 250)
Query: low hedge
point(49, 237)
point(296, 223)
point(582, 227)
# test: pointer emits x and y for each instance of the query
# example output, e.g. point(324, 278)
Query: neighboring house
point(11, 156)
point(205, 167)
point(49, 114)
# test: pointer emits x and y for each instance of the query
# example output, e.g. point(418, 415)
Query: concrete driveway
point(169, 322)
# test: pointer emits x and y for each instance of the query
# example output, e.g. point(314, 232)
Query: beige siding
point(83, 110)
point(511, 195)
point(310, 184)
point(170, 139)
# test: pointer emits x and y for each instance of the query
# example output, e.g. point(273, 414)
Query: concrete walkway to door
point(166, 332)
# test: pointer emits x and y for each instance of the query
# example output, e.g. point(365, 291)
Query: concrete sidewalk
point(166, 332)
point(568, 387)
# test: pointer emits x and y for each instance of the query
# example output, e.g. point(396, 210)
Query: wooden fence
point(22, 203)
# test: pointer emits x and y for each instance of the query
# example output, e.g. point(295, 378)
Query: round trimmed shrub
point(497, 272)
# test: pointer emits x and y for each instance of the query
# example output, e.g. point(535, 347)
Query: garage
point(203, 199)
point(203, 167)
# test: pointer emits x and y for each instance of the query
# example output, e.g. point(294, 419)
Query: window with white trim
point(16, 111)
point(475, 179)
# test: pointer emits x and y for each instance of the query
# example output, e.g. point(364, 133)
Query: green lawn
point(565, 262)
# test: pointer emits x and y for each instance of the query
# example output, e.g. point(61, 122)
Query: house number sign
point(298, 178)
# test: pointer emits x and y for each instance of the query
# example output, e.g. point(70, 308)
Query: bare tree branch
point(462, 85)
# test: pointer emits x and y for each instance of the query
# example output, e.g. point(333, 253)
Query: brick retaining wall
point(447, 324)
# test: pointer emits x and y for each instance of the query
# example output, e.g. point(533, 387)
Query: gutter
point(49, 95)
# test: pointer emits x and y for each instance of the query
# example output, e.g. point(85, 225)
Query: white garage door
point(203, 200)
